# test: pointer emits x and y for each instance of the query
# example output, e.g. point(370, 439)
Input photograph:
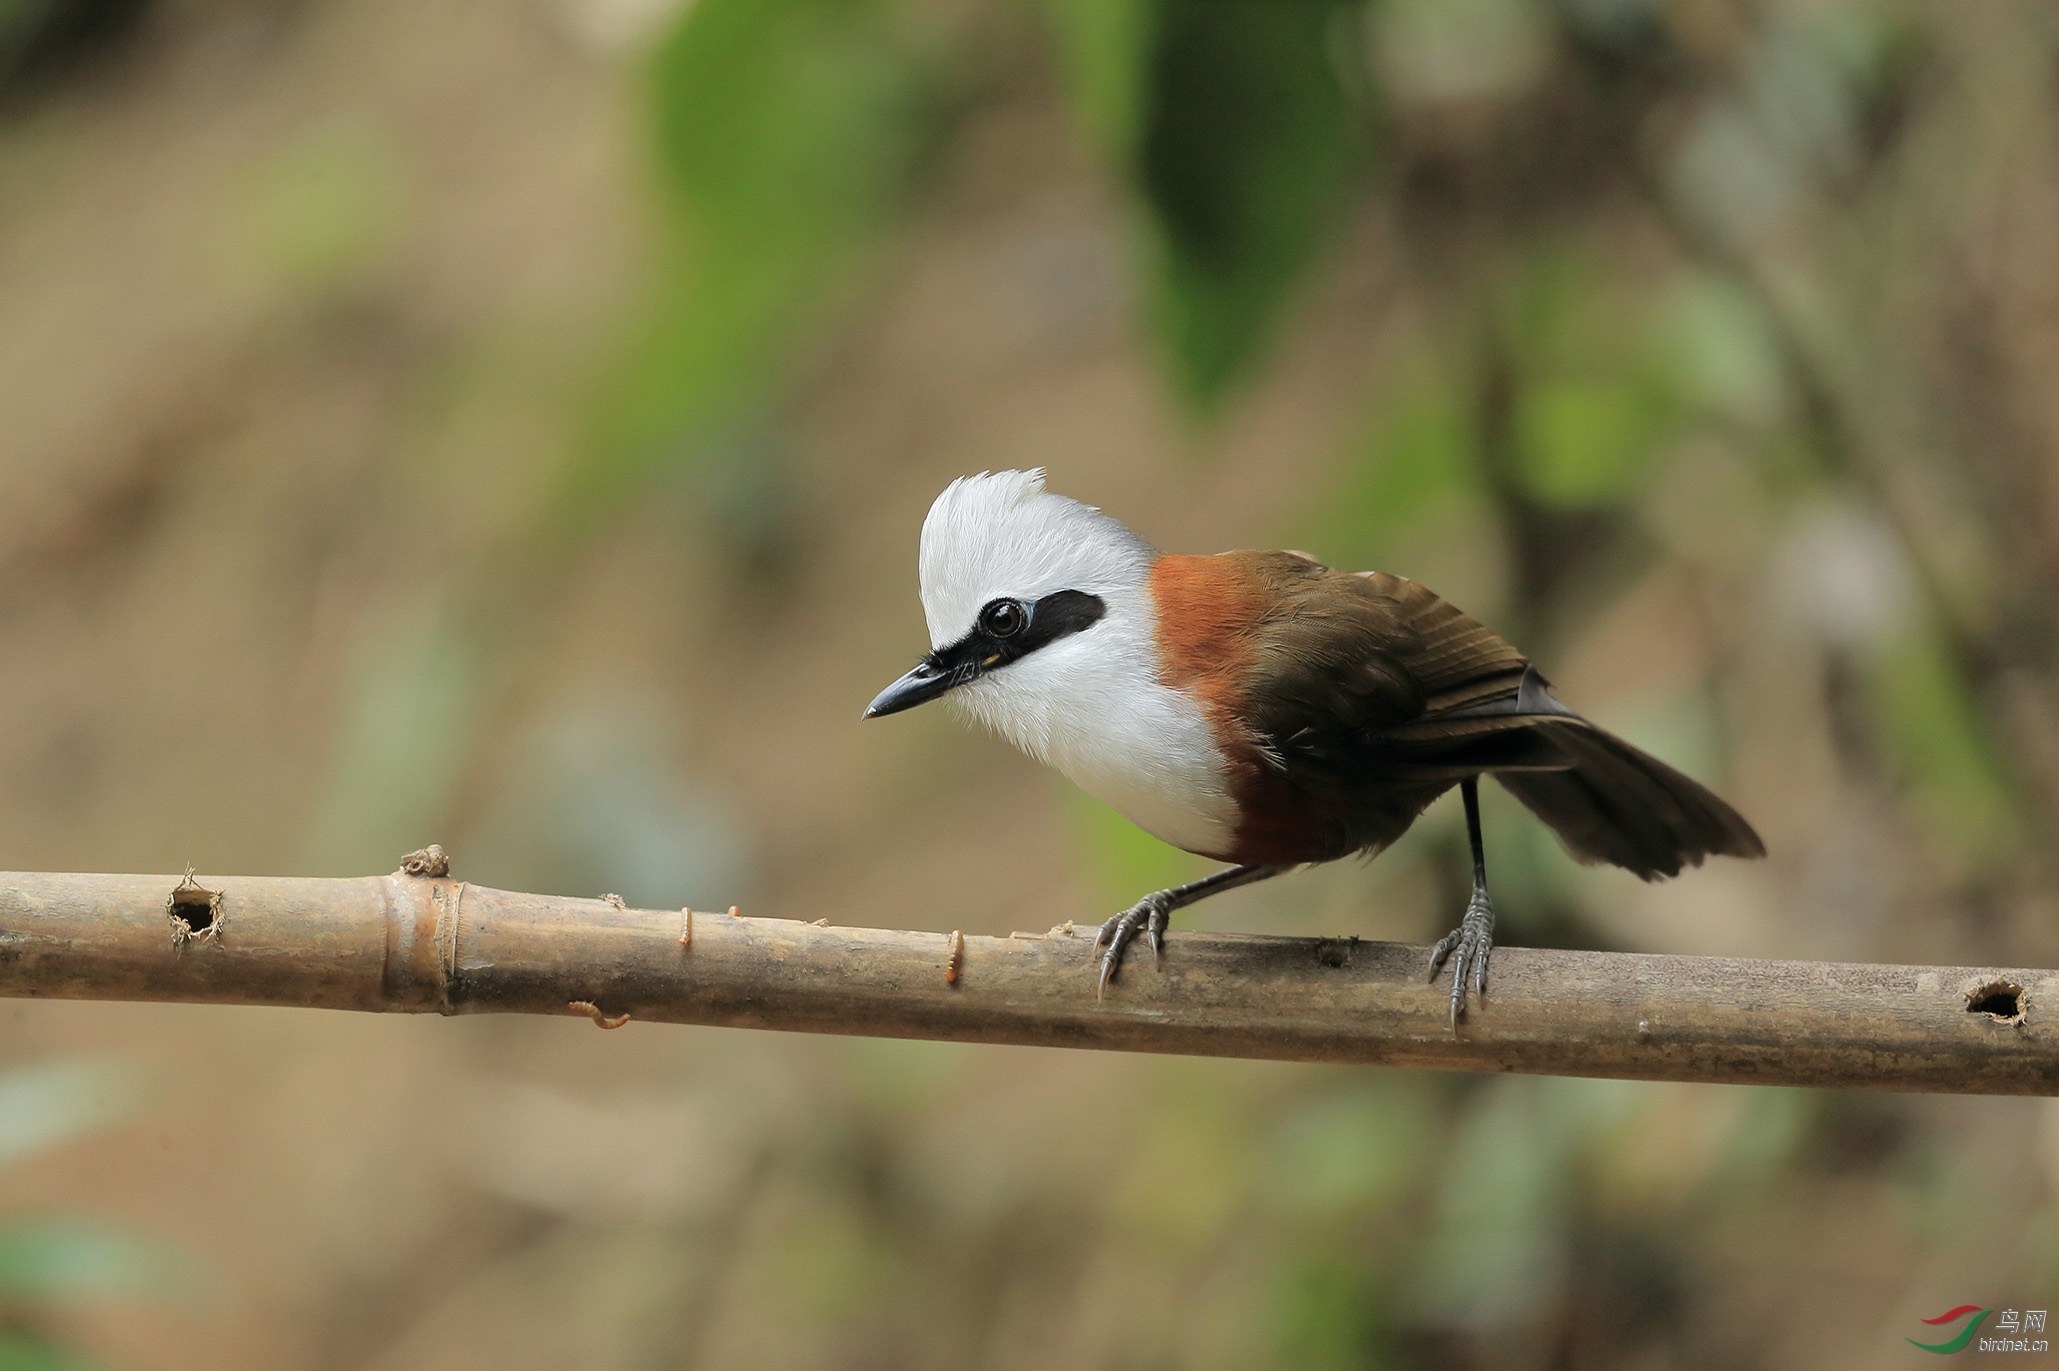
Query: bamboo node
point(431, 861)
point(193, 911)
point(593, 1011)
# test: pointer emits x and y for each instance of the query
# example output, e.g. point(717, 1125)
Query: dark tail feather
point(1617, 804)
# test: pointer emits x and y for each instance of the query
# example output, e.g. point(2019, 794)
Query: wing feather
point(1368, 686)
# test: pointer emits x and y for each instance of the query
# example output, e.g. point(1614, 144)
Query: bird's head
point(1015, 583)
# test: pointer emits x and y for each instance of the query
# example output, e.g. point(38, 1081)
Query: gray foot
point(1148, 916)
point(1467, 947)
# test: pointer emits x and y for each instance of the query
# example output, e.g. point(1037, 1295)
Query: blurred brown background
point(509, 425)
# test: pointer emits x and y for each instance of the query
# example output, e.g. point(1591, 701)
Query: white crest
point(1091, 704)
point(1001, 533)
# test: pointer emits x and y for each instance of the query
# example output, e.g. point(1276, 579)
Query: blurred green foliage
point(1597, 397)
point(1944, 752)
point(49, 1103)
point(326, 206)
point(1246, 148)
point(1242, 126)
point(409, 722)
point(71, 1260)
point(787, 138)
point(1415, 467)
point(61, 1260)
point(790, 134)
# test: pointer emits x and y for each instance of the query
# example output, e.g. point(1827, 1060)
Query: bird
point(1265, 711)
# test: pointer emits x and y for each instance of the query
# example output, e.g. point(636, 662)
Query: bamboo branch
point(426, 944)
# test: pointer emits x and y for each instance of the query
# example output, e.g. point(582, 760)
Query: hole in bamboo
point(1999, 1000)
point(1335, 951)
point(194, 911)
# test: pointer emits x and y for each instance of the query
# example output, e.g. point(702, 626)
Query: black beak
point(919, 686)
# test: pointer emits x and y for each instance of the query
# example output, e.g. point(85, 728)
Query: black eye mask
point(1007, 630)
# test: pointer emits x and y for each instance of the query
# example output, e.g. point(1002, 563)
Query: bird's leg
point(1470, 944)
point(1151, 913)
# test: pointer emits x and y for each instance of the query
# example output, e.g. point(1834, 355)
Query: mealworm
point(593, 1011)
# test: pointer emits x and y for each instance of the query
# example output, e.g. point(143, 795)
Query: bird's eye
point(1003, 618)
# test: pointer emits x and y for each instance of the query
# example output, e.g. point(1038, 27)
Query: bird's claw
point(1468, 947)
point(1148, 915)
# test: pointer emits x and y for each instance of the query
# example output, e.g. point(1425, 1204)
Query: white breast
point(1092, 706)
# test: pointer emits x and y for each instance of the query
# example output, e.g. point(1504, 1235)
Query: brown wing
point(1370, 696)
